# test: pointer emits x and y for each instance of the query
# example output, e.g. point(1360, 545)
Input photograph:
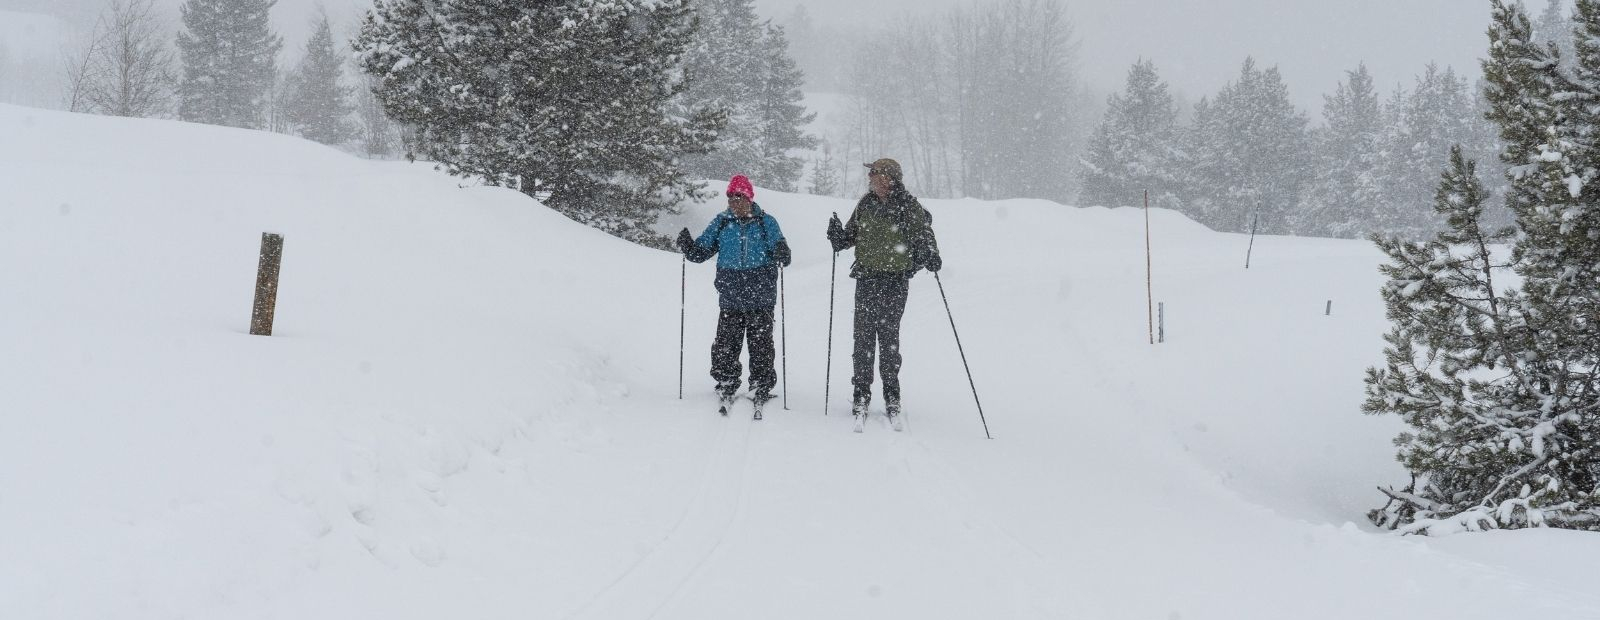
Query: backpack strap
point(716, 240)
point(766, 232)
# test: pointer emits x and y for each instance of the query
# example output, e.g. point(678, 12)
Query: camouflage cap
point(886, 166)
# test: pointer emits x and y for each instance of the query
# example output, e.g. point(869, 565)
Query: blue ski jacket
point(747, 251)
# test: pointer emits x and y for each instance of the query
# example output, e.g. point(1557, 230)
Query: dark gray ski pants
point(880, 303)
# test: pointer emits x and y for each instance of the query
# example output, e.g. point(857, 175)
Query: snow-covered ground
point(469, 410)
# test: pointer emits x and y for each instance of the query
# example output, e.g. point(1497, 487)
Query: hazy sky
point(1198, 45)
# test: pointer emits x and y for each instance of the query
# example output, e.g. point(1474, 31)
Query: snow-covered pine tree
point(1505, 414)
point(1436, 115)
point(1558, 257)
point(229, 55)
point(1485, 147)
point(1543, 121)
point(779, 114)
point(1555, 27)
point(1199, 154)
point(1344, 193)
point(1452, 371)
point(567, 100)
point(1583, 76)
point(825, 175)
point(378, 135)
point(1246, 149)
point(277, 109)
point(1546, 128)
point(319, 104)
point(742, 66)
point(1392, 149)
point(1135, 147)
point(724, 71)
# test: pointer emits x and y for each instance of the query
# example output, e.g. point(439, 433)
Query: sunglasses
point(737, 195)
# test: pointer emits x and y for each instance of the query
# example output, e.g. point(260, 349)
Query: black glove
point(781, 252)
point(685, 241)
point(934, 263)
point(836, 234)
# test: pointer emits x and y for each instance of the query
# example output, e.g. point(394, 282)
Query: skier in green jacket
point(893, 238)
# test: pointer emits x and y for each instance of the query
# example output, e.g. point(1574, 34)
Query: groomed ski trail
point(650, 583)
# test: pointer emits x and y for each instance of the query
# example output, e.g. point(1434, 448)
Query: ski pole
point(963, 355)
point(1248, 250)
point(783, 335)
point(683, 302)
point(827, 375)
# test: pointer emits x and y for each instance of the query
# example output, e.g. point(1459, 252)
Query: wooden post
point(1162, 335)
point(1329, 310)
point(266, 284)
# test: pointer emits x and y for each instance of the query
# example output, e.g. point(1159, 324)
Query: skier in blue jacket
point(749, 247)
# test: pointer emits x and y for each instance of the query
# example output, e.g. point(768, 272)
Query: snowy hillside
point(469, 410)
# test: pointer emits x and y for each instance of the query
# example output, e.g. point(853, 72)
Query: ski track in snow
point(734, 520)
point(697, 533)
point(936, 481)
point(655, 585)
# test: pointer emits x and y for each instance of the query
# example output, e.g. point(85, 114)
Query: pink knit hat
point(741, 185)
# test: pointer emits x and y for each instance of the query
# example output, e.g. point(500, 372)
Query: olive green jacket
point(890, 238)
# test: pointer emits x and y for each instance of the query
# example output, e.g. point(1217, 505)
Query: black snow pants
point(880, 303)
point(734, 328)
